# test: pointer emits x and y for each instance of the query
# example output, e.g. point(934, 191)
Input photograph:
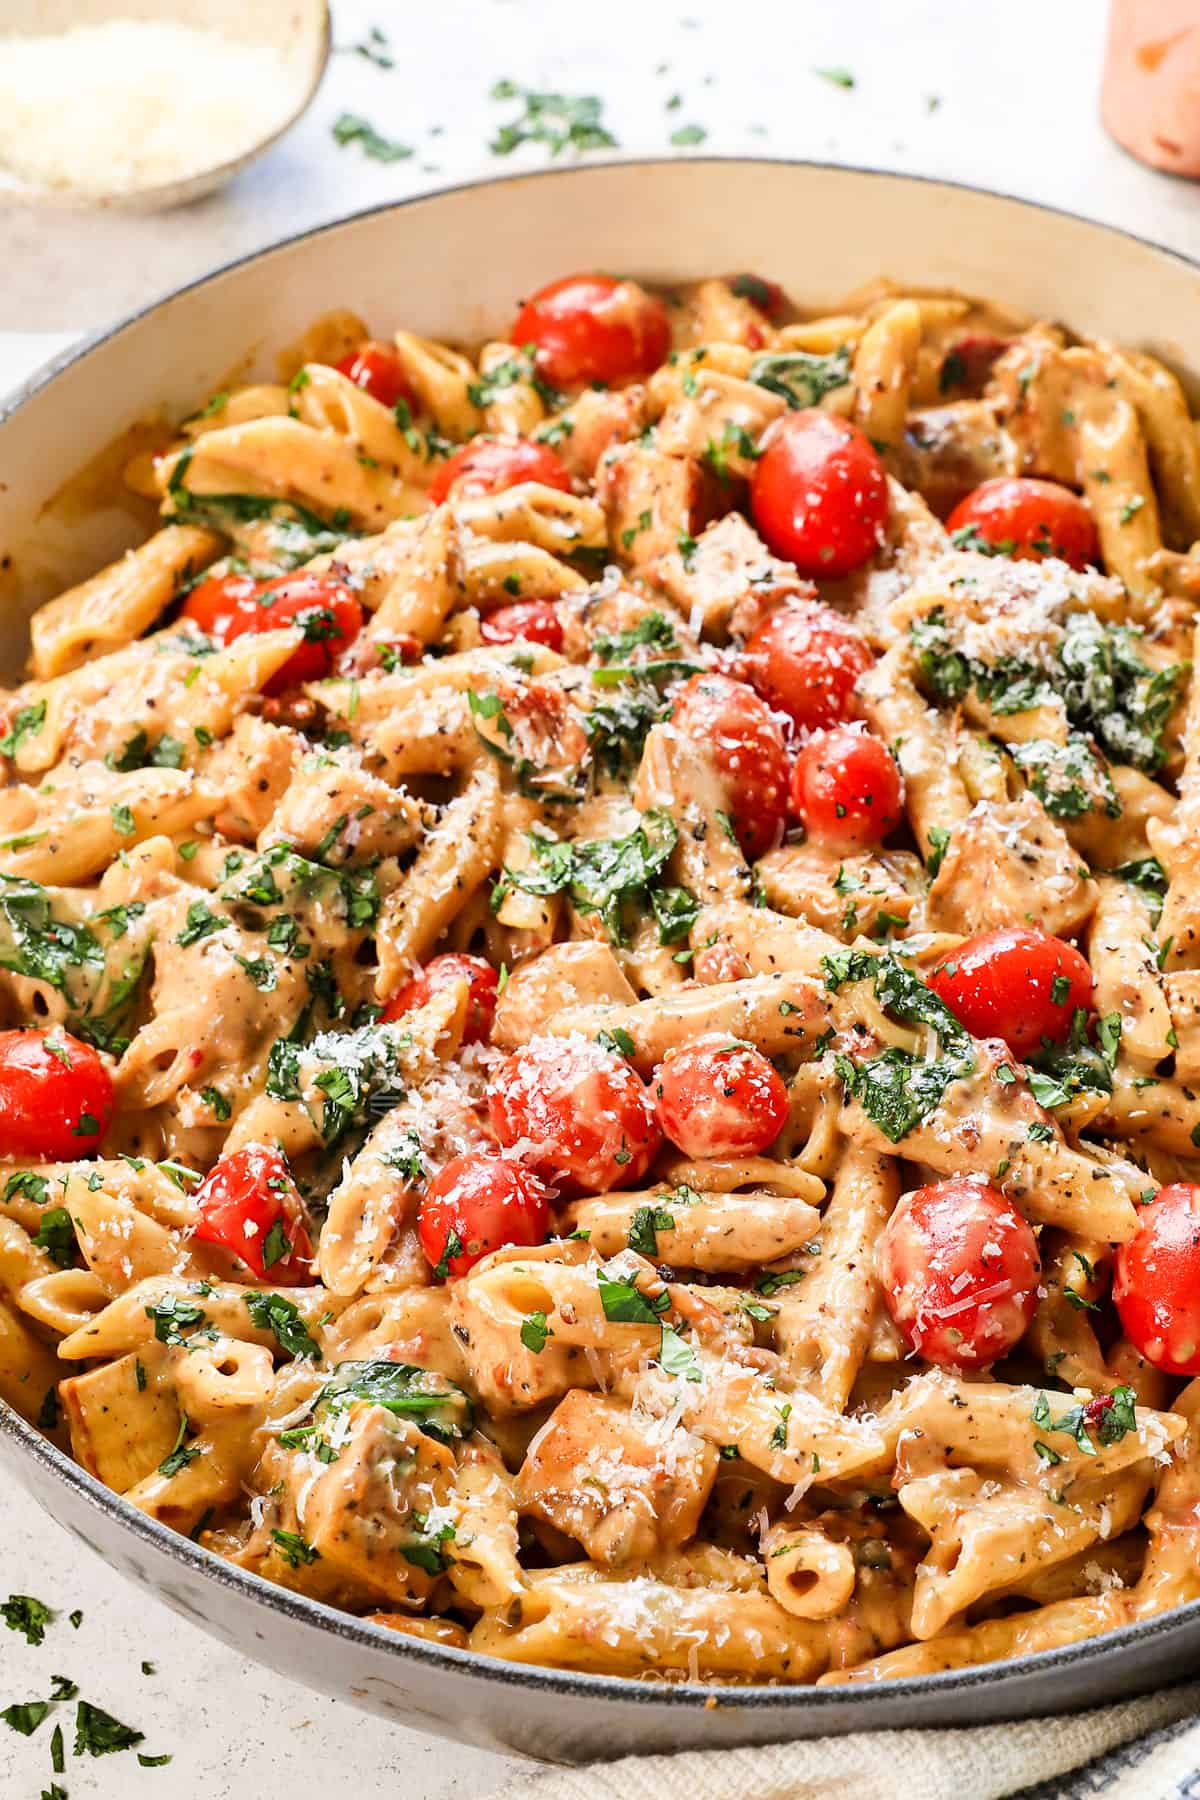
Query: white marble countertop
point(1002, 95)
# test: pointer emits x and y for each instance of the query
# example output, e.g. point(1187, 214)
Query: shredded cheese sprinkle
point(112, 108)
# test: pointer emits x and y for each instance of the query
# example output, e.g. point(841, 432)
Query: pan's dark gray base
point(559, 1716)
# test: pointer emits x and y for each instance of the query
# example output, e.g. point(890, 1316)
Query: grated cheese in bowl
point(114, 108)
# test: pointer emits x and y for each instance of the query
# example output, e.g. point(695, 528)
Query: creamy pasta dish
point(600, 948)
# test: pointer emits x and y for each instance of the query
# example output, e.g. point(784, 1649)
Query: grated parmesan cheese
point(109, 109)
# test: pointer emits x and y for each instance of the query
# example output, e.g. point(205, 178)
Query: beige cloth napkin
point(1150, 1749)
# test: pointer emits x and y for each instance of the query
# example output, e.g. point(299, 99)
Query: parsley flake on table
point(559, 121)
point(97, 1733)
point(349, 128)
point(21, 1612)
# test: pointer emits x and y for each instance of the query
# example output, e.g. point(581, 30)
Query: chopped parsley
point(21, 1612)
point(97, 1733)
point(293, 1549)
point(1149, 877)
point(350, 128)
point(646, 1223)
point(56, 1236)
point(201, 923)
point(171, 1314)
point(535, 1331)
point(181, 1455)
point(557, 121)
point(27, 722)
point(939, 843)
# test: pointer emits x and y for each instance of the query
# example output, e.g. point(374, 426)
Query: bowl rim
point(315, 1615)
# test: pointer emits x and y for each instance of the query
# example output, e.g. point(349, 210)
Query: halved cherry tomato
point(56, 1096)
point(377, 369)
point(593, 328)
point(805, 660)
point(1014, 983)
point(819, 494)
point(581, 1116)
point(228, 606)
point(482, 982)
point(846, 787)
point(537, 621)
point(490, 465)
point(959, 1267)
point(1029, 520)
point(250, 1205)
point(1156, 1285)
point(728, 719)
point(719, 1097)
point(478, 1204)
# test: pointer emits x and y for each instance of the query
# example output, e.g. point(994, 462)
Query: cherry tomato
point(593, 328)
point(420, 987)
point(537, 621)
point(228, 606)
point(250, 1205)
point(959, 1267)
point(490, 465)
point(581, 1115)
point(819, 494)
point(1156, 1285)
point(728, 719)
point(846, 788)
point(719, 1097)
point(478, 1204)
point(1030, 520)
point(377, 369)
point(805, 660)
point(1014, 983)
point(56, 1096)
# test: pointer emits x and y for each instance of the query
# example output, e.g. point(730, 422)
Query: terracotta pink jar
point(1151, 95)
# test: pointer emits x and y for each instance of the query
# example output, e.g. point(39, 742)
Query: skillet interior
point(451, 265)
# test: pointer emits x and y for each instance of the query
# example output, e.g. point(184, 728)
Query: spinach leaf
point(1069, 779)
point(603, 876)
point(440, 1408)
point(896, 1089)
point(37, 944)
point(799, 377)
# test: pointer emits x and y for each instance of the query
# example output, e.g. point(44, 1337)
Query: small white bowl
point(298, 29)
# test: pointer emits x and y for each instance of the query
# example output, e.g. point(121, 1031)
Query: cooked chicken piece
point(1125, 965)
point(948, 450)
point(617, 1484)
point(713, 313)
point(253, 768)
point(652, 502)
point(593, 423)
point(562, 976)
point(1009, 863)
point(730, 581)
point(333, 811)
point(860, 894)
